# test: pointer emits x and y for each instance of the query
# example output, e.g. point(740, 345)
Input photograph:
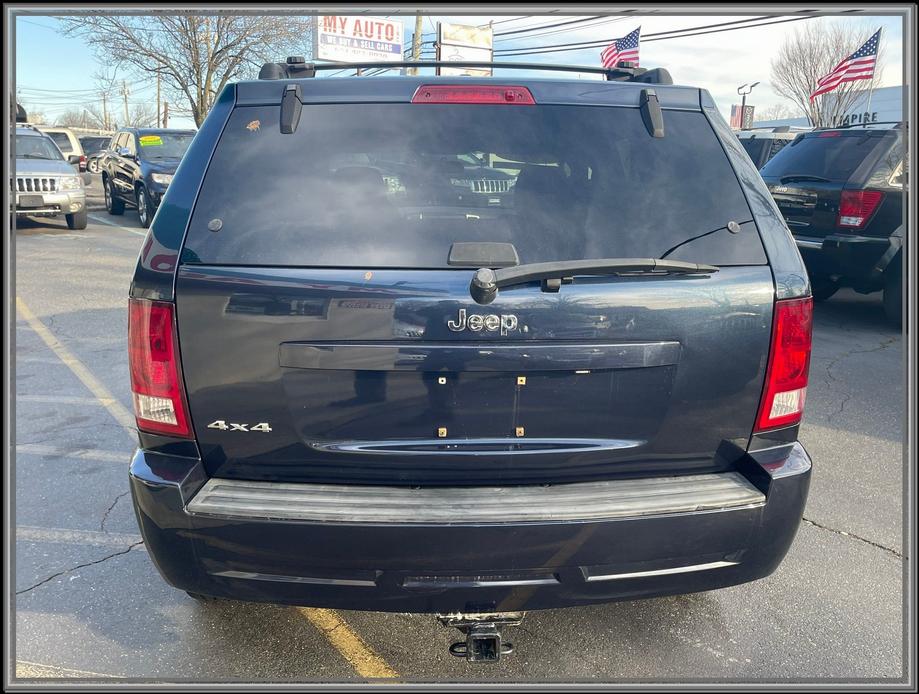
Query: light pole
point(743, 90)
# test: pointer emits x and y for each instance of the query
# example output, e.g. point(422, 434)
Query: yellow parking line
point(329, 622)
point(27, 670)
point(348, 643)
point(103, 395)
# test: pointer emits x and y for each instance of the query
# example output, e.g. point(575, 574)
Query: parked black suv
point(765, 143)
point(138, 167)
point(842, 191)
point(353, 392)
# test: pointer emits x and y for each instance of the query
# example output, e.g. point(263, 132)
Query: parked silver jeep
point(45, 183)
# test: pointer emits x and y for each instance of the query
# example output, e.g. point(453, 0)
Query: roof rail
point(895, 123)
point(296, 67)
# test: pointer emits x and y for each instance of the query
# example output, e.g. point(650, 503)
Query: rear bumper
point(851, 256)
point(222, 541)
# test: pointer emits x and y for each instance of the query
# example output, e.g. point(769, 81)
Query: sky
point(54, 73)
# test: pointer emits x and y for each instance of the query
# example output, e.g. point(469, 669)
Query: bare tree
point(95, 117)
point(143, 116)
point(778, 112)
point(76, 118)
point(810, 54)
point(104, 79)
point(195, 54)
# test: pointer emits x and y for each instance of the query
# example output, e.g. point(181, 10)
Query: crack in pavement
point(831, 364)
point(845, 355)
point(80, 566)
point(109, 510)
point(894, 552)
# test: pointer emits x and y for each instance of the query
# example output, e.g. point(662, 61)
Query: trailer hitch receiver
point(483, 642)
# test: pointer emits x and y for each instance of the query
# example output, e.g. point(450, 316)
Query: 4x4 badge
point(476, 322)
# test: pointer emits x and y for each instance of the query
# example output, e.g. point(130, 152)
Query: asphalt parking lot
point(89, 603)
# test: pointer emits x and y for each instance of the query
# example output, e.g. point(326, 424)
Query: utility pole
point(104, 112)
point(416, 42)
point(165, 114)
point(157, 99)
point(124, 93)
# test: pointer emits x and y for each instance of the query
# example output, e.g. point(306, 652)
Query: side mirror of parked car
point(125, 152)
point(74, 159)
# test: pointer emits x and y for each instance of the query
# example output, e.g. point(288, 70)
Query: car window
point(130, 143)
point(394, 185)
point(163, 145)
point(62, 141)
point(755, 147)
point(94, 144)
point(777, 145)
point(827, 154)
point(36, 147)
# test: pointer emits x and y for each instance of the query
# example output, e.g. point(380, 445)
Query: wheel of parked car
point(144, 206)
point(823, 288)
point(77, 220)
point(893, 293)
point(93, 166)
point(112, 204)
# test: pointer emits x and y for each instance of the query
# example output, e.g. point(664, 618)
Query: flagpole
point(871, 84)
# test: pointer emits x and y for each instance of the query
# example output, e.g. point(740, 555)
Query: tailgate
point(324, 375)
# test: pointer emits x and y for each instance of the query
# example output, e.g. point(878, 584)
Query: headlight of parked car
point(163, 179)
point(71, 183)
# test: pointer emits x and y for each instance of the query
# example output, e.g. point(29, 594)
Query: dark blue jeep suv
point(138, 167)
point(356, 391)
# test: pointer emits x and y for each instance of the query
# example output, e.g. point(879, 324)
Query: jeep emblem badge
point(476, 322)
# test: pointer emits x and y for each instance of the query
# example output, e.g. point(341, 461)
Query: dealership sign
point(462, 43)
point(356, 38)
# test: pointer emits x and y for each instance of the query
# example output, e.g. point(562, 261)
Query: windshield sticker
point(150, 140)
point(253, 126)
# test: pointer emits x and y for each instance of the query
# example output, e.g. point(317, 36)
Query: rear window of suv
point(394, 185)
point(829, 154)
point(62, 141)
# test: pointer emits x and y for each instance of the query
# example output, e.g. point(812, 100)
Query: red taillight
point(830, 133)
point(472, 94)
point(857, 206)
point(156, 372)
point(82, 162)
point(789, 360)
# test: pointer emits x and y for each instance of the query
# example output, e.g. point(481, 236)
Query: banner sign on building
point(741, 120)
point(356, 38)
point(460, 42)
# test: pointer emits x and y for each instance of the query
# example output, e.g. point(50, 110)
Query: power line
point(552, 32)
point(647, 37)
point(503, 21)
point(549, 26)
point(561, 48)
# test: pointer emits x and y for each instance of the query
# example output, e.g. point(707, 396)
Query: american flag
point(625, 48)
point(858, 66)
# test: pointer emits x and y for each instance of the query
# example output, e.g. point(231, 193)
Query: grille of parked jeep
point(29, 184)
point(486, 185)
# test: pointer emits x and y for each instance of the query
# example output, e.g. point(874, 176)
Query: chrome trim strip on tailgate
point(586, 501)
point(478, 357)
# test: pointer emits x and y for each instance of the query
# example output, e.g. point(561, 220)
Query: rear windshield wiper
point(486, 282)
point(803, 177)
